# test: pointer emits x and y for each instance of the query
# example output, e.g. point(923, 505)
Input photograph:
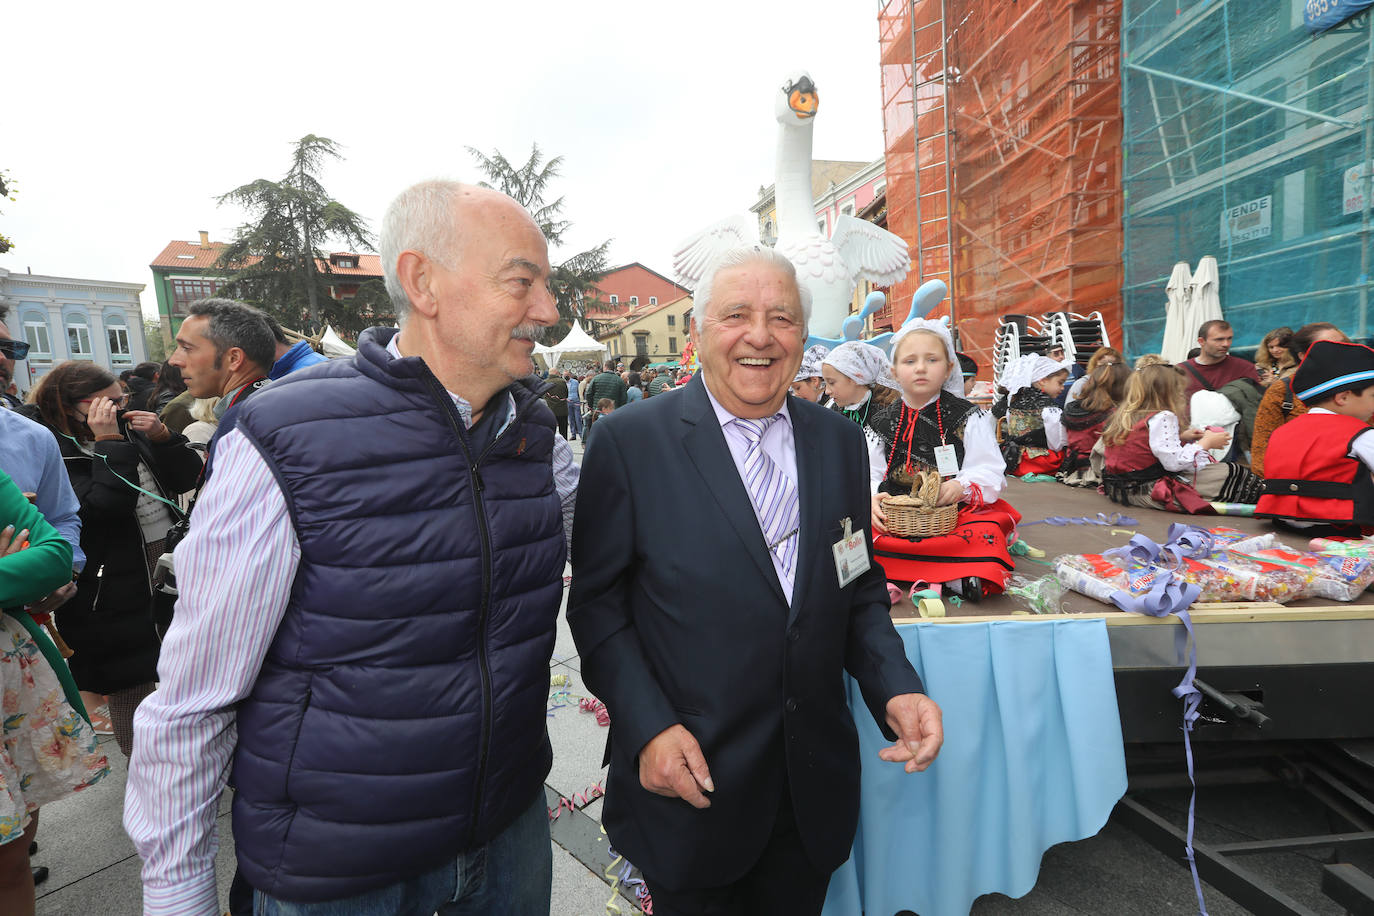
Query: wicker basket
point(907, 519)
point(917, 516)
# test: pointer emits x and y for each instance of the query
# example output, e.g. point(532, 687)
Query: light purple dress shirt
point(779, 444)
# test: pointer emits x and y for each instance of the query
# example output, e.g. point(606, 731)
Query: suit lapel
point(704, 443)
point(812, 553)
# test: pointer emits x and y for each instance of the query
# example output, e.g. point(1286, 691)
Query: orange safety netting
point(1029, 96)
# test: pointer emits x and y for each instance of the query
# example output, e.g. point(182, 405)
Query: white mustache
point(534, 332)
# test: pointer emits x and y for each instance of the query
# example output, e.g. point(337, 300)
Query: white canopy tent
point(333, 345)
point(577, 343)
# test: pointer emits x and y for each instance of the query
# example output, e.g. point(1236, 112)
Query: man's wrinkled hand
point(672, 765)
point(54, 600)
point(919, 725)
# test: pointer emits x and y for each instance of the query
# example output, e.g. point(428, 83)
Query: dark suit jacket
point(695, 630)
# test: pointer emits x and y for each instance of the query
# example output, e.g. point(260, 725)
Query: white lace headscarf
point(1025, 371)
point(954, 382)
point(811, 363)
point(863, 363)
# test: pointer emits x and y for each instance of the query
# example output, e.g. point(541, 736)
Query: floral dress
point(47, 749)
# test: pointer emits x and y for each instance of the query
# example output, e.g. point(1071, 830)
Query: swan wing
point(870, 252)
point(696, 253)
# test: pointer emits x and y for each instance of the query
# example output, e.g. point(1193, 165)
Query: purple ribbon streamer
point(1170, 595)
point(1102, 518)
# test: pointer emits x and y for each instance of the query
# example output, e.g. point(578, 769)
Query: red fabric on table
point(976, 547)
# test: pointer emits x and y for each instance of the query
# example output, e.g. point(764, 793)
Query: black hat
point(1333, 366)
point(967, 366)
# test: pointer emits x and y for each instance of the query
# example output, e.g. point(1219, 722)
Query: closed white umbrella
point(1178, 336)
point(1205, 302)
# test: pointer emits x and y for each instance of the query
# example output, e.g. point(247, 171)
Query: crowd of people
point(335, 583)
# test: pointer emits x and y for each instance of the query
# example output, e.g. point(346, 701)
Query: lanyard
point(906, 432)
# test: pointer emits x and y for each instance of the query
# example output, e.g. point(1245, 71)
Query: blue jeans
point(575, 417)
point(512, 875)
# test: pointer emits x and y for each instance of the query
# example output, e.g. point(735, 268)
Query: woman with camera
point(127, 468)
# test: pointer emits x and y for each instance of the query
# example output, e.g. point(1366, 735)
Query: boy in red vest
point(1318, 469)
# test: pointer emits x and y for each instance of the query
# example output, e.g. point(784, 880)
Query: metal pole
point(1367, 184)
point(949, 177)
point(916, 156)
point(1257, 99)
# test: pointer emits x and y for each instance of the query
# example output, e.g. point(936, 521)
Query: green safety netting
point(1244, 139)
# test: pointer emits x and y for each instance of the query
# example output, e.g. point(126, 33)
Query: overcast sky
point(123, 122)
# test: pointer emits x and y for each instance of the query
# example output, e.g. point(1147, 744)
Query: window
point(614, 298)
point(36, 333)
point(820, 225)
point(184, 292)
point(634, 300)
point(672, 321)
point(879, 189)
point(79, 340)
point(653, 300)
point(641, 345)
point(848, 209)
point(672, 344)
point(119, 345)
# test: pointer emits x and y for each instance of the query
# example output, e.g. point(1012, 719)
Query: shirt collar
point(725, 417)
point(464, 408)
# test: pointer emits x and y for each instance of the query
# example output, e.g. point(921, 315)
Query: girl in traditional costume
point(1154, 463)
point(1085, 419)
point(1035, 439)
point(858, 378)
point(935, 428)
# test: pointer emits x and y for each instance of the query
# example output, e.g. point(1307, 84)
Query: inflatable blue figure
point(930, 294)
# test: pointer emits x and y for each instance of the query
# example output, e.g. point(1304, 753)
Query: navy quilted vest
point(399, 717)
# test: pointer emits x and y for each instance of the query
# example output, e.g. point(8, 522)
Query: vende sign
point(1247, 222)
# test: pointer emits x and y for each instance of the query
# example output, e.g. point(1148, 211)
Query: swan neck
point(792, 174)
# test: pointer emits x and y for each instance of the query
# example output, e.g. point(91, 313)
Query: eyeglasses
point(121, 401)
point(14, 349)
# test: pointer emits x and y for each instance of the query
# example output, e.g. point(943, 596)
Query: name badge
point(851, 554)
point(946, 462)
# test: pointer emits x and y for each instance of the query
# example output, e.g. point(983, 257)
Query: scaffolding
point(1002, 127)
point(1248, 139)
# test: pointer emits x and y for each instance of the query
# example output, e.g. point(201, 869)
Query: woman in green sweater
point(47, 748)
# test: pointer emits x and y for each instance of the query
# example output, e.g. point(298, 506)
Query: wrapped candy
point(1242, 577)
point(1338, 578)
point(1233, 539)
point(1097, 576)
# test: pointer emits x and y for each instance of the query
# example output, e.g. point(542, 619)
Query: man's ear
point(415, 272)
point(234, 359)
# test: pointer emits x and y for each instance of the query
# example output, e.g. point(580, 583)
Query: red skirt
point(1045, 464)
point(976, 547)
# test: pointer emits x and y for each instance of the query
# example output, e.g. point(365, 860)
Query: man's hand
point(879, 519)
point(671, 765)
point(920, 731)
point(146, 422)
point(54, 600)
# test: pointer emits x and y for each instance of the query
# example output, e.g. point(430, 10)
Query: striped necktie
point(773, 494)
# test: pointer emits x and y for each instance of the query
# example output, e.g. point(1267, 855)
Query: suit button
point(793, 634)
point(1293, 487)
point(791, 704)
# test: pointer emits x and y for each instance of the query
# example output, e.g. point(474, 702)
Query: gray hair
point(234, 324)
point(419, 219)
point(738, 257)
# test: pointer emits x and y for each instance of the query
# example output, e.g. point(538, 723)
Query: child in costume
point(1035, 440)
point(1084, 420)
point(934, 428)
point(1318, 465)
point(1152, 462)
point(858, 377)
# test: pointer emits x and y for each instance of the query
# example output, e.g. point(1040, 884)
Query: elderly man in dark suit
point(734, 760)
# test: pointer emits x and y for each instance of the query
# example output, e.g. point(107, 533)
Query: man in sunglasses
point(10, 351)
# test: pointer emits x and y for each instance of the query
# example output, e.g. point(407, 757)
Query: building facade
point(629, 287)
point(837, 187)
point(658, 331)
point(66, 318)
point(185, 271)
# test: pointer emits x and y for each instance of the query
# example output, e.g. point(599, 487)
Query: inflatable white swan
point(829, 267)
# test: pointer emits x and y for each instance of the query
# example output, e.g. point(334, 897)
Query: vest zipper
point(451, 411)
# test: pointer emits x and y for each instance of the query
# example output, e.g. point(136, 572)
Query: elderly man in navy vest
point(368, 598)
point(734, 781)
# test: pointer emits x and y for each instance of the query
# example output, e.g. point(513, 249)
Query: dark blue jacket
point(399, 717)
